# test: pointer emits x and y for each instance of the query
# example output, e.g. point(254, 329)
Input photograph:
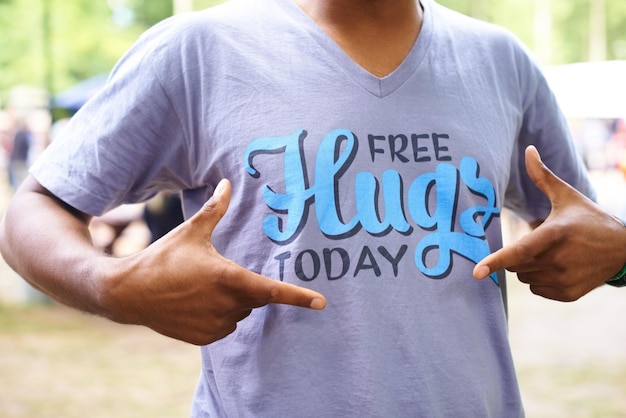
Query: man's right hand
point(180, 286)
point(576, 249)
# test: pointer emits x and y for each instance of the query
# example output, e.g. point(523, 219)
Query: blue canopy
point(76, 96)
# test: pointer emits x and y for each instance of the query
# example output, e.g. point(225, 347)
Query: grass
point(586, 390)
point(570, 357)
point(55, 362)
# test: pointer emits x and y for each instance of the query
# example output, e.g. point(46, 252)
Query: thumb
point(551, 185)
point(213, 209)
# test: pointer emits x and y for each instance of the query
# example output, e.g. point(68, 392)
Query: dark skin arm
point(180, 286)
point(576, 249)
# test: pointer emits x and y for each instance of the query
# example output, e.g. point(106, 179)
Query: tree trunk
point(542, 30)
point(183, 6)
point(597, 30)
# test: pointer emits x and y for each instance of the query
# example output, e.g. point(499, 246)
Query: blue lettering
point(431, 198)
point(367, 190)
point(330, 165)
point(296, 200)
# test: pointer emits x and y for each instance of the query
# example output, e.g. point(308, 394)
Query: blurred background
point(54, 362)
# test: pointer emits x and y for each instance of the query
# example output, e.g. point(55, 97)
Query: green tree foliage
point(149, 12)
point(54, 43)
point(616, 29)
point(571, 28)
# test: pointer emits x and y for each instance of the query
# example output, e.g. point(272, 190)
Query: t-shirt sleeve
point(544, 126)
point(126, 143)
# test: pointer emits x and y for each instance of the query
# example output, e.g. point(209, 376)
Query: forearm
point(49, 245)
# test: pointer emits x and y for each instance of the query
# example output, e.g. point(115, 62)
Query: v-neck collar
point(378, 86)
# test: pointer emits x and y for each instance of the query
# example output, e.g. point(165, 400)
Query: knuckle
point(212, 207)
point(223, 275)
point(226, 331)
point(217, 333)
point(522, 251)
point(523, 278)
point(570, 294)
point(556, 232)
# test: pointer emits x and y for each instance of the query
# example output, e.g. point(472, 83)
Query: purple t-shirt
point(380, 193)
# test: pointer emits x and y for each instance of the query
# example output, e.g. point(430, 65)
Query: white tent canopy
point(590, 89)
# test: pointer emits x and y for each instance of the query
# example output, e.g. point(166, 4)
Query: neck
point(349, 12)
point(377, 34)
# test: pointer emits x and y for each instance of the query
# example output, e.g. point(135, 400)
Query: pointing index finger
point(499, 260)
point(513, 254)
point(289, 294)
point(260, 290)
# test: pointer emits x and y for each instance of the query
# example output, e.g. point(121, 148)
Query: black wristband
point(619, 280)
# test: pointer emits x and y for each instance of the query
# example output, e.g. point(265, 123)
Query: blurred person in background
point(7, 128)
point(369, 149)
point(19, 156)
point(30, 136)
point(163, 213)
point(617, 145)
point(109, 229)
